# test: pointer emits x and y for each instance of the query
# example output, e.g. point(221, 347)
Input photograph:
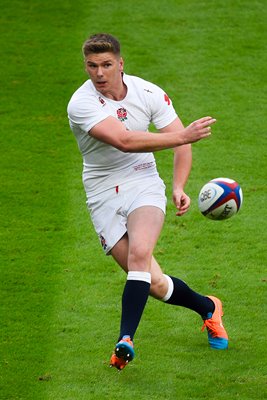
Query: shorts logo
point(122, 114)
point(103, 242)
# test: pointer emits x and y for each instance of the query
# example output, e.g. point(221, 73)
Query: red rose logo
point(122, 114)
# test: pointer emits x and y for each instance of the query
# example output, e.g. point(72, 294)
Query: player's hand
point(198, 129)
point(181, 201)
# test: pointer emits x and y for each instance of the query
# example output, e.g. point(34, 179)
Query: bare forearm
point(114, 133)
point(181, 166)
point(138, 141)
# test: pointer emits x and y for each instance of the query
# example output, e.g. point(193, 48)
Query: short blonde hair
point(101, 43)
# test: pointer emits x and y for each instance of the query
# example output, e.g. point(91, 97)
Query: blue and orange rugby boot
point(123, 353)
point(217, 335)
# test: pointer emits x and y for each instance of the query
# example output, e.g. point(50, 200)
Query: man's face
point(105, 71)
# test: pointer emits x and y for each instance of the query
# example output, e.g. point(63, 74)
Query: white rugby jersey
point(103, 165)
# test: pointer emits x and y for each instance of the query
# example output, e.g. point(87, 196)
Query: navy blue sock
point(134, 299)
point(183, 296)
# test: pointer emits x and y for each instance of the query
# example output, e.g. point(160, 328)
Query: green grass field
point(60, 296)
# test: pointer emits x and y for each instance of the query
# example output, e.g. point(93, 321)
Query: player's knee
point(139, 258)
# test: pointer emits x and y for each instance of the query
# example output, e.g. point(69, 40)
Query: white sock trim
point(139, 276)
point(170, 288)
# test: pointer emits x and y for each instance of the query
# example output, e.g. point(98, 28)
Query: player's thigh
point(144, 226)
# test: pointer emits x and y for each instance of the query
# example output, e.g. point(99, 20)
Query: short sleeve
point(162, 110)
point(85, 114)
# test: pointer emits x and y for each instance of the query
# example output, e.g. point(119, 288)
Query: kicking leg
point(174, 291)
point(164, 287)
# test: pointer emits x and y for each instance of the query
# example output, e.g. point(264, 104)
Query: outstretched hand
point(198, 129)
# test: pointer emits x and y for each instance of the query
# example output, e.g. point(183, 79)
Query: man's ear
point(121, 64)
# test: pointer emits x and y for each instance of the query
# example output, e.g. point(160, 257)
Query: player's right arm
point(113, 132)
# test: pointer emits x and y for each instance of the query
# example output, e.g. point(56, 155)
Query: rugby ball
point(220, 198)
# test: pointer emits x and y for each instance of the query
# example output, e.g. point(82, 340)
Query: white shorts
point(109, 210)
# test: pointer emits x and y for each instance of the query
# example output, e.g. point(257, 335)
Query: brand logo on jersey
point(167, 99)
point(102, 101)
point(122, 114)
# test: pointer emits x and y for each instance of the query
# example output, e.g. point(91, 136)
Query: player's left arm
point(181, 169)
